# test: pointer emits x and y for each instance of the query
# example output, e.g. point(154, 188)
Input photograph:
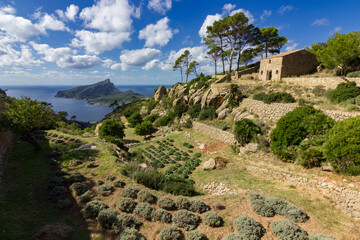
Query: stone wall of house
point(251, 70)
point(274, 65)
point(299, 63)
point(214, 133)
point(329, 82)
point(275, 111)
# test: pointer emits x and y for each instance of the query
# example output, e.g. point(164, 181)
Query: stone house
point(287, 64)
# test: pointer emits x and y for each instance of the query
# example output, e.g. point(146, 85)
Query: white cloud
point(209, 20)
point(107, 63)
point(65, 57)
point(8, 9)
point(335, 30)
point(291, 45)
point(265, 15)
point(109, 15)
point(138, 57)
point(157, 34)
point(71, 12)
point(98, 42)
point(160, 6)
point(321, 22)
point(285, 8)
point(50, 22)
point(228, 7)
point(12, 57)
point(151, 64)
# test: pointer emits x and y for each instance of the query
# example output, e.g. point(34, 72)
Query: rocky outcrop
point(160, 92)
point(215, 96)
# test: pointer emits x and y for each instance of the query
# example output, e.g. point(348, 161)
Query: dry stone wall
point(214, 133)
point(312, 82)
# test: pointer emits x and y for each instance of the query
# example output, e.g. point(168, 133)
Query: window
point(277, 72)
point(262, 72)
point(270, 61)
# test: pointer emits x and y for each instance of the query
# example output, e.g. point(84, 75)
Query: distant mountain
point(103, 93)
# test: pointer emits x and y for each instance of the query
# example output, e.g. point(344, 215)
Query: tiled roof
point(284, 54)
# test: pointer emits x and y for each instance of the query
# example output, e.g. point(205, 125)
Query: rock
point(327, 167)
point(223, 114)
point(54, 232)
point(222, 107)
point(143, 110)
point(177, 101)
point(243, 151)
point(143, 166)
point(209, 164)
point(85, 147)
point(252, 147)
point(202, 146)
point(160, 92)
point(220, 78)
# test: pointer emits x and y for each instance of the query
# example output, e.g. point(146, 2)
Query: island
point(101, 93)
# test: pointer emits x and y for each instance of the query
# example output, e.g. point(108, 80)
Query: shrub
point(245, 131)
point(131, 234)
point(76, 177)
point(92, 209)
point(320, 237)
point(151, 105)
point(179, 186)
point(182, 203)
point(126, 204)
point(63, 204)
point(260, 206)
point(107, 217)
point(233, 236)
point(208, 112)
point(343, 92)
point(279, 97)
point(165, 120)
point(278, 205)
point(145, 196)
point(149, 177)
point(85, 197)
point(151, 118)
point(198, 206)
point(78, 188)
point(166, 203)
point(213, 220)
point(249, 228)
point(161, 215)
point(170, 233)
point(135, 119)
point(105, 190)
point(286, 230)
point(185, 219)
point(144, 210)
point(179, 110)
point(194, 111)
point(111, 127)
point(294, 127)
point(195, 235)
point(260, 96)
point(57, 193)
point(188, 123)
point(54, 182)
point(119, 183)
point(144, 128)
point(319, 90)
point(126, 221)
point(310, 152)
point(188, 145)
point(342, 147)
point(130, 192)
point(295, 214)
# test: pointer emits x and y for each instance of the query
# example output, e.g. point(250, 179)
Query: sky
point(136, 42)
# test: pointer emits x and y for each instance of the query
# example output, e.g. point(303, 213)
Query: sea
point(79, 108)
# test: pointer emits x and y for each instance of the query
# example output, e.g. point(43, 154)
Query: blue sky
point(135, 42)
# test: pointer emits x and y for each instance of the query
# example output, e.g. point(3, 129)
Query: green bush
point(126, 221)
point(194, 111)
point(342, 147)
point(235, 95)
point(188, 145)
point(131, 234)
point(119, 183)
point(92, 209)
point(126, 204)
point(188, 123)
point(170, 233)
point(105, 190)
point(161, 215)
point(107, 217)
point(135, 119)
point(146, 196)
point(294, 127)
point(260, 96)
point(310, 152)
point(185, 219)
point(111, 127)
point(179, 186)
point(85, 197)
point(182, 203)
point(57, 193)
point(287, 230)
point(277, 97)
point(78, 188)
point(343, 92)
point(166, 203)
point(76, 177)
point(195, 235)
point(165, 120)
point(151, 105)
point(144, 128)
point(130, 192)
point(144, 210)
point(198, 206)
point(320, 237)
point(319, 91)
point(180, 109)
point(152, 117)
point(260, 206)
point(213, 220)
point(208, 112)
point(54, 182)
point(295, 214)
point(233, 236)
point(249, 229)
point(245, 131)
point(278, 205)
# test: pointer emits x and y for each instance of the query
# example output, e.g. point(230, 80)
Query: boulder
point(327, 167)
point(143, 110)
point(223, 106)
point(177, 101)
point(209, 164)
point(252, 147)
point(160, 92)
point(223, 114)
point(215, 96)
point(202, 146)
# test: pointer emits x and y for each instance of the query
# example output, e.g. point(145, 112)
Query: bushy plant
point(92, 209)
point(152, 117)
point(208, 112)
point(54, 182)
point(161, 215)
point(119, 183)
point(294, 127)
point(310, 152)
point(295, 214)
point(144, 128)
point(151, 104)
point(318, 91)
point(57, 193)
point(111, 127)
point(213, 220)
point(233, 236)
point(85, 197)
point(248, 228)
point(76, 177)
point(180, 109)
point(320, 237)
point(260, 206)
point(166, 203)
point(105, 190)
point(126, 204)
point(165, 120)
point(188, 145)
point(135, 119)
point(144, 210)
point(199, 206)
point(235, 95)
point(195, 235)
point(131, 234)
point(185, 219)
point(342, 147)
point(278, 205)
point(260, 96)
point(194, 111)
point(78, 188)
point(245, 131)
point(170, 233)
point(355, 74)
point(179, 186)
point(343, 92)
point(279, 97)
point(146, 196)
point(182, 203)
point(130, 192)
point(126, 221)
point(287, 230)
point(188, 123)
point(107, 217)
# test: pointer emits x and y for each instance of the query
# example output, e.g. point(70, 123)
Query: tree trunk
point(32, 141)
point(222, 55)
point(215, 61)
point(181, 75)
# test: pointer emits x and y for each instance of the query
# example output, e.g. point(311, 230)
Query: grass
point(23, 206)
